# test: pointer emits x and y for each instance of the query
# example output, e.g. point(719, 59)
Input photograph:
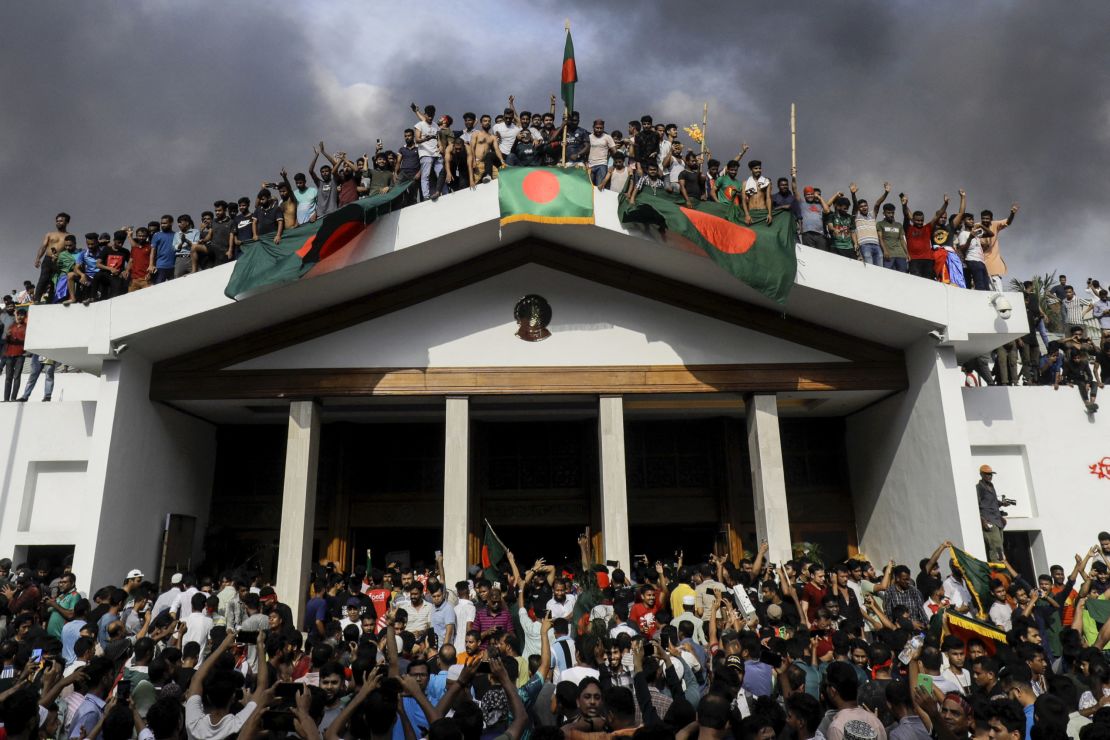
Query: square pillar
point(614, 488)
point(298, 506)
point(456, 489)
point(772, 520)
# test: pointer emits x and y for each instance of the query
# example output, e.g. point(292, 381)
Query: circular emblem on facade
point(532, 314)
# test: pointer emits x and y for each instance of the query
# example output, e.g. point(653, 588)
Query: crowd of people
point(751, 650)
point(435, 159)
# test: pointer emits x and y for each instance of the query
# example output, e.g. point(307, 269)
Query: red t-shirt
point(644, 617)
point(140, 260)
point(813, 595)
point(16, 334)
point(919, 241)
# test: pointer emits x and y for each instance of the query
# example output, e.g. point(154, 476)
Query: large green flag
point(546, 195)
point(760, 254)
point(493, 553)
point(977, 577)
point(264, 263)
point(1096, 612)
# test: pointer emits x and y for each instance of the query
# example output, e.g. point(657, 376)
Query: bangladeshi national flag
point(546, 195)
point(264, 263)
point(760, 254)
point(570, 74)
point(493, 553)
point(977, 577)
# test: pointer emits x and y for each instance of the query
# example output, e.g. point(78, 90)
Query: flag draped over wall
point(265, 263)
point(548, 195)
point(760, 254)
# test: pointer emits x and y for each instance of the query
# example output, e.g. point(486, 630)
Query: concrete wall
point(1043, 445)
point(591, 324)
point(146, 461)
point(44, 454)
point(909, 466)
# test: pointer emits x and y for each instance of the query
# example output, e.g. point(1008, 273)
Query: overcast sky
point(118, 112)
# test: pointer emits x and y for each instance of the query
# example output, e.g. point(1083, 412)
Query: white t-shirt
point(420, 617)
point(199, 727)
point(599, 149)
point(183, 604)
point(197, 627)
point(974, 246)
point(561, 610)
point(506, 136)
point(577, 673)
point(429, 147)
point(464, 613)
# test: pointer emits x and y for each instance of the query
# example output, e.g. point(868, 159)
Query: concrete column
point(614, 489)
point(772, 520)
point(298, 506)
point(456, 489)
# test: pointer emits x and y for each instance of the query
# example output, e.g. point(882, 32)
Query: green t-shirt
point(65, 262)
point(890, 233)
point(729, 189)
point(841, 228)
point(57, 621)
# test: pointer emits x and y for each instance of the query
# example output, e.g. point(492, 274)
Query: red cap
point(807, 190)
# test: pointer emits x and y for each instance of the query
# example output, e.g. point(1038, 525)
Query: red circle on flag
point(540, 186)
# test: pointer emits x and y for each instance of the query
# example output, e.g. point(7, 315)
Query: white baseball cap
point(135, 573)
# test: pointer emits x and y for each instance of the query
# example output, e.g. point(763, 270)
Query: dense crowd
point(751, 650)
point(435, 159)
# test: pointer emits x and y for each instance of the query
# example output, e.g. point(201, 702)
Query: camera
point(1006, 501)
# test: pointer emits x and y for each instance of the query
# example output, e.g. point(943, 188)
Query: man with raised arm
point(919, 237)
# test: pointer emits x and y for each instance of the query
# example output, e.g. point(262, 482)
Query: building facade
point(443, 372)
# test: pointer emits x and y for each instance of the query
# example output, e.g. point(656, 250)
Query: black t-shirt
point(944, 235)
point(267, 218)
point(242, 225)
point(115, 257)
point(647, 146)
point(527, 155)
point(692, 179)
point(221, 234)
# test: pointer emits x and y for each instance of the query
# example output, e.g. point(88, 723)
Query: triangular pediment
point(591, 325)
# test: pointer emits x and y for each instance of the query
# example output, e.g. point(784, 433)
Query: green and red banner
point(570, 74)
point(760, 254)
point(264, 263)
point(546, 195)
point(493, 553)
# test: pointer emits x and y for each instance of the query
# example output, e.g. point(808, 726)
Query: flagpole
point(793, 140)
point(704, 126)
point(566, 114)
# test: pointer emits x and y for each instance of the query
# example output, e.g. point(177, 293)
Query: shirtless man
point(483, 147)
point(757, 192)
point(288, 201)
point(52, 244)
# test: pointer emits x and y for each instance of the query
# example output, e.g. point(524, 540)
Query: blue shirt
point(87, 715)
point(315, 610)
point(102, 627)
point(88, 262)
point(71, 632)
point(437, 687)
point(416, 718)
point(1028, 720)
point(757, 677)
point(443, 615)
point(162, 244)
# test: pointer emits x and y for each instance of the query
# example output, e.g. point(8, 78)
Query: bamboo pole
point(793, 140)
point(704, 126)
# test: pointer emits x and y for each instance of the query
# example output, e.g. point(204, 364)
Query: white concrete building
point(385, 401)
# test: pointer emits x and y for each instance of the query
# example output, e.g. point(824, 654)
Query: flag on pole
point(546, 195)
point(760, 254)
point(265, 263)
point(493, 553)
point(570, 74)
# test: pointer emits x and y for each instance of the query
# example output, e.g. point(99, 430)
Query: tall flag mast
point(570, 76)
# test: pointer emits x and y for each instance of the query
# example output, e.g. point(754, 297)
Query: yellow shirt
point(677, 593)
